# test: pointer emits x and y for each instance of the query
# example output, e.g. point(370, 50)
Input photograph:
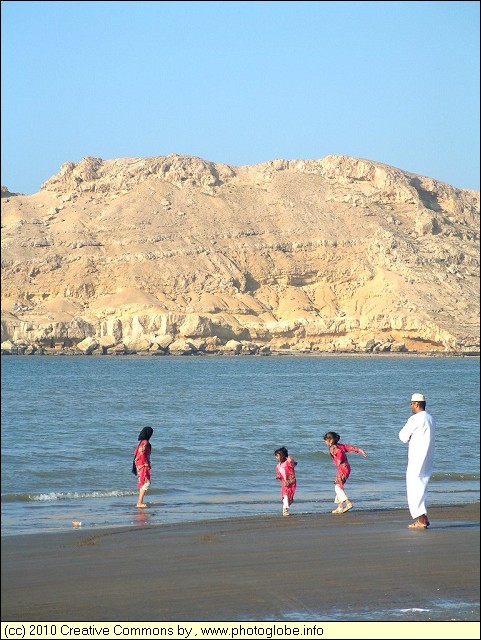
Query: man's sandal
point(417, 525)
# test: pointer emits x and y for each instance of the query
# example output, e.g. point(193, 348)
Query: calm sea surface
point(70, 426)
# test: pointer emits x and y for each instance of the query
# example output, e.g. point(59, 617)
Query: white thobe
point(419, 433)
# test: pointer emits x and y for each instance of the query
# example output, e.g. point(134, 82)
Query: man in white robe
point(419, 433)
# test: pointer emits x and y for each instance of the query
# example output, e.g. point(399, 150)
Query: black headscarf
point(146, 433)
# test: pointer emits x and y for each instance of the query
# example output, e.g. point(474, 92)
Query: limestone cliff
point(175, 254)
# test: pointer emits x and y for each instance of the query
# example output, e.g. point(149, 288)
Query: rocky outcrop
point(179, 255)
point(5, 193)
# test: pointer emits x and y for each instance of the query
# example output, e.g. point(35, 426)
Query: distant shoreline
point(280, 353)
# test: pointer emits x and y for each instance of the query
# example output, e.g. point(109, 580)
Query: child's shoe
point(285, 511)
point(338, 509)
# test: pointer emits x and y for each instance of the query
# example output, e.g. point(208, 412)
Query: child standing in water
point(338, 451)
point(142, 463)
point(287, 476)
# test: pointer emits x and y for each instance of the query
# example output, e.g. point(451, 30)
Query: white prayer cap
point(418, 397)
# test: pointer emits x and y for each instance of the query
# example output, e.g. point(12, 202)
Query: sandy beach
point(358, 566)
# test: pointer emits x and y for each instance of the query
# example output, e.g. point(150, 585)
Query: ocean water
point(70, 426)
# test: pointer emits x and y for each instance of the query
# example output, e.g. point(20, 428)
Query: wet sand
point(364, 565)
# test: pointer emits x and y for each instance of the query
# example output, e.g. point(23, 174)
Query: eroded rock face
point(178, 254)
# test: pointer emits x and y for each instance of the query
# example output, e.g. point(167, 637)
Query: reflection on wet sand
point(141, 517)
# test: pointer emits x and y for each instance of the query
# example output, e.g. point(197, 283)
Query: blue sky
point(240, 83)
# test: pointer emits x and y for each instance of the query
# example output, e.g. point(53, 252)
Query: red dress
point(286, 474)
point(339, 457)
point(142, 462)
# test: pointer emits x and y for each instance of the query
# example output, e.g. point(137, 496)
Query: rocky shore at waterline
point(209, 348)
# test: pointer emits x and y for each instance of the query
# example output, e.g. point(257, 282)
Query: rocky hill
point(175, 254)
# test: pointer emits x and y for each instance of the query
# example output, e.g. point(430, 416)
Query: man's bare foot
point(142, 506)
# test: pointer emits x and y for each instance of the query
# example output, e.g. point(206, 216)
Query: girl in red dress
point(338, 451)
point(142, 463)
point(287, 476)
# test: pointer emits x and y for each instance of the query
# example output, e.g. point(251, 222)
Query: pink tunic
point(286, 474)
point(338, 455)
point(142, 462)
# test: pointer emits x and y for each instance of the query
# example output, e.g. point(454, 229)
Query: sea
point(70, 426)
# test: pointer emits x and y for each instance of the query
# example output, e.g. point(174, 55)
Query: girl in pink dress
point(142, 463)
point(338, 451)
point(287, 476)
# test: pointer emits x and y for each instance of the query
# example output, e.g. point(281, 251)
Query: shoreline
point(360, 566)
point(146, 518)
point(272, 353)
